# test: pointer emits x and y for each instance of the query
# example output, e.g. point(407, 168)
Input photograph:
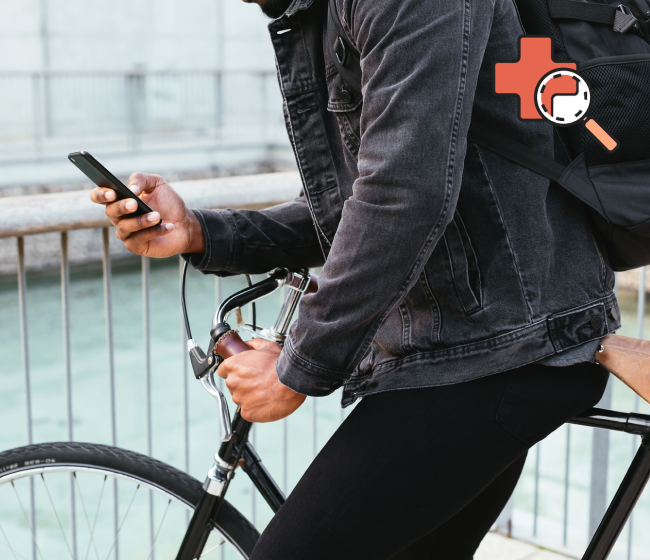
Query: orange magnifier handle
point(600, 134)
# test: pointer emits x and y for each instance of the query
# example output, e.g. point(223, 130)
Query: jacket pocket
point(464, 266)
point(346, 105)
point(421, 317)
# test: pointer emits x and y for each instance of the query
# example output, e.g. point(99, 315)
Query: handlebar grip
point(312, 288)
point(230, 344)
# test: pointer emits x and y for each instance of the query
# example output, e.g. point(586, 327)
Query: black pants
point(424, 473)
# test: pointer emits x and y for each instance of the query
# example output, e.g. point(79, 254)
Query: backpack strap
point(344, 54)
point(569, 9)
point(621, 19)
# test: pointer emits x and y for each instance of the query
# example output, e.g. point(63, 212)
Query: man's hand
point(179, 232)
point(254, 385)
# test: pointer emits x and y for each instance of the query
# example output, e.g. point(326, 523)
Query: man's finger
point(141, 182)
point(257, 343)
point(121, 208)
point(224, 369)
point(127, 226)
point(136, 242)
point(102, 196)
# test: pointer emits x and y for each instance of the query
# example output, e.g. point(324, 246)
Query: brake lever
point(225, 424)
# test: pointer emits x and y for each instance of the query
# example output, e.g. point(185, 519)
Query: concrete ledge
point(498, 547)
point(45, 213)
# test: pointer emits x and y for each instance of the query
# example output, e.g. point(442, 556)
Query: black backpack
point(611, 44)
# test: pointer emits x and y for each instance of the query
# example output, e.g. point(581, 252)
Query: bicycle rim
point(92, 502)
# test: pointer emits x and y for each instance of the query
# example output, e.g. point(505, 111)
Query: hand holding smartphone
point(169, 230)
point(99, 175)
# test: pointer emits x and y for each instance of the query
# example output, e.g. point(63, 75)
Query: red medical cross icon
point(521, 77)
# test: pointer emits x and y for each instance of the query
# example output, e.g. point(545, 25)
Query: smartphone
point(102, 177)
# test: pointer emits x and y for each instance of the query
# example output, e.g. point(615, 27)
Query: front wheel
point(94, 502)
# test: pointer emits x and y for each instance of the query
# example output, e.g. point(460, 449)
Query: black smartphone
point(102, 177)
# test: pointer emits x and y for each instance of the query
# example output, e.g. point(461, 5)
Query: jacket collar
point(297, 6)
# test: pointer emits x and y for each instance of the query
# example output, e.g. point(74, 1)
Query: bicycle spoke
point(13, 552)
point(122, 523)
point(83, 506)
point(212, 549)
point(92, 531)
point(56, 513)
point(31, 530)
point(153, 543)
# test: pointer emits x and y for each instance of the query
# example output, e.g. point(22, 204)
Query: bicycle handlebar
point(227, 342)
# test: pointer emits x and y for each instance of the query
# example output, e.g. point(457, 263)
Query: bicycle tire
point(159, 476)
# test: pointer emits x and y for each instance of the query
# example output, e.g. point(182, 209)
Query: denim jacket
point(442, 261)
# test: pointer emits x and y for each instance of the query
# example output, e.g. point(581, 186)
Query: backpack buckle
point(624, 20)
point(340, 51)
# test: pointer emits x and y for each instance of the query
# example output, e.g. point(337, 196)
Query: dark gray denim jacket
point(443, 262)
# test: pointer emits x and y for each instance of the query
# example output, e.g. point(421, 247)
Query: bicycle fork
point(236, 451)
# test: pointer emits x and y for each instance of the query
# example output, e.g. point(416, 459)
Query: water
point(91, 392)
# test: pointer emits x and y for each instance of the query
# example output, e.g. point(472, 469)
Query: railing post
point(108, 310)
point(640, 328)
point(147, 364)
point(65, 305)
point(24, 335)
point(65, 308)
point(599, 467)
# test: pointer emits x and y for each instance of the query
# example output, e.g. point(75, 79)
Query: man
point(470, 284)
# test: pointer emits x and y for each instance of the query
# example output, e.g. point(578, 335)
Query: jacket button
point(345, 96)
point(596, 323)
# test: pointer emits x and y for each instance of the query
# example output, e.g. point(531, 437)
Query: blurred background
point(188, 90)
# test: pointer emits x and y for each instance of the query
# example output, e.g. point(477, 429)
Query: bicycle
point(73, 466)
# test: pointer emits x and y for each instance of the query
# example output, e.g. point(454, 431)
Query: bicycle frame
point(236, 450)
point(633, 482)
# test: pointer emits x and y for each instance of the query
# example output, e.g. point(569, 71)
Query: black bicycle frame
point(633, 483)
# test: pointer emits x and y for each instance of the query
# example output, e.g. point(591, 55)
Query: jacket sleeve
point(419, 73)
point(256, 241)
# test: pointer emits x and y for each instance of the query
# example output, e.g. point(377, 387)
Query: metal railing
point(44, 114)
point(550, 493)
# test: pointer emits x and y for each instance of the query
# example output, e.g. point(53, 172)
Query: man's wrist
point(196, 241)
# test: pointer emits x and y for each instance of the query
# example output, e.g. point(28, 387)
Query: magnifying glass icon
point(563, 98)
